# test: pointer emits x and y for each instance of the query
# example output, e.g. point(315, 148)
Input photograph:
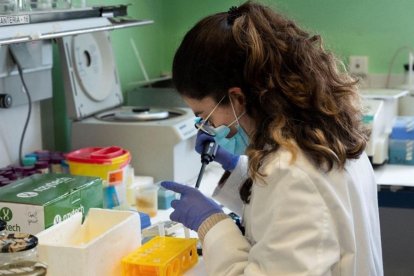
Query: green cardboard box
point(35, 203)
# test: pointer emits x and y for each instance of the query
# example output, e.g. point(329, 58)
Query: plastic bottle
point(29, 161)
point(56, 163)
point(42, 166)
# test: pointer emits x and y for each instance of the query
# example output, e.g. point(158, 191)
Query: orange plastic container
point(161, 256)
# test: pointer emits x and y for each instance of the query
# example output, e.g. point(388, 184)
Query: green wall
point(373, 28)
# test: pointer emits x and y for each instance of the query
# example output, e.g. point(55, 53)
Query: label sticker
point(115, 177)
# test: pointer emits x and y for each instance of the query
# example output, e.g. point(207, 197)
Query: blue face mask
point(236, 144)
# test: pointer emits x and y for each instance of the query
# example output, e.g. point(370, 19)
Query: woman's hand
point(227, 160)
point(193, 207)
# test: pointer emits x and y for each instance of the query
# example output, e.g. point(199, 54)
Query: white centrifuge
point(160, 140)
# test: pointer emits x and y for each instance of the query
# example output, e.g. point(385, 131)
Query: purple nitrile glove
point(193, 207)
point(227, 160)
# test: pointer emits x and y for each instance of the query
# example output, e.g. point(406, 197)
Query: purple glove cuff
point(227, 160)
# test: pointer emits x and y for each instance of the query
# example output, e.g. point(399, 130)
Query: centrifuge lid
point(90, 75)
point(138, 114)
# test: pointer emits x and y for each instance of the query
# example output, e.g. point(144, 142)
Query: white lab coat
point(302, 222)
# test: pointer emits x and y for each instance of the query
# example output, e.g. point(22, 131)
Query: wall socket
point(358, 65)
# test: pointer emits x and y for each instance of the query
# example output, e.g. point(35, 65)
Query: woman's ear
point(237, 98)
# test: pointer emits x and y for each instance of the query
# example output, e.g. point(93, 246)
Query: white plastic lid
point(143, 180)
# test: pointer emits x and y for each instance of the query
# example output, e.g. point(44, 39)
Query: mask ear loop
point(234, 112)
point(237, 119)
point(208, 116)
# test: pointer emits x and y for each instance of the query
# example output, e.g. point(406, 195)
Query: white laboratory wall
point(11, 127)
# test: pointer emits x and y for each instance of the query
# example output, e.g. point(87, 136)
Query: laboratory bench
point(396, 175)
point(395, 186)
point(396, 211)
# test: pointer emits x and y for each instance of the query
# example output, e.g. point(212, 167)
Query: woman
point(304, 186)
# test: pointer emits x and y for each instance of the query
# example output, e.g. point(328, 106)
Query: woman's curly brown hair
point(294, 89)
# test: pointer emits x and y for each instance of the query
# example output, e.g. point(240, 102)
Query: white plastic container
point(94, 248)
point(147, 199)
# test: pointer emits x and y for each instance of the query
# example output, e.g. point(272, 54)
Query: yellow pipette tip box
point(162, 256)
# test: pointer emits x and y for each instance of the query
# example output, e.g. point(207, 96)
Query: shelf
point(49, 30)
point(48, 25)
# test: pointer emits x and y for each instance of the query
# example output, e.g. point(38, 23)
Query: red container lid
point(96, 155)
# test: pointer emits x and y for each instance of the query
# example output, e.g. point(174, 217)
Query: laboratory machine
point(374, 119)
point(380, 109)
point(161, 140)
point(406, 103)
point(35, 58)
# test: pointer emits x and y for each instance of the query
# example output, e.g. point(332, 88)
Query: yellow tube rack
point(161, 256)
